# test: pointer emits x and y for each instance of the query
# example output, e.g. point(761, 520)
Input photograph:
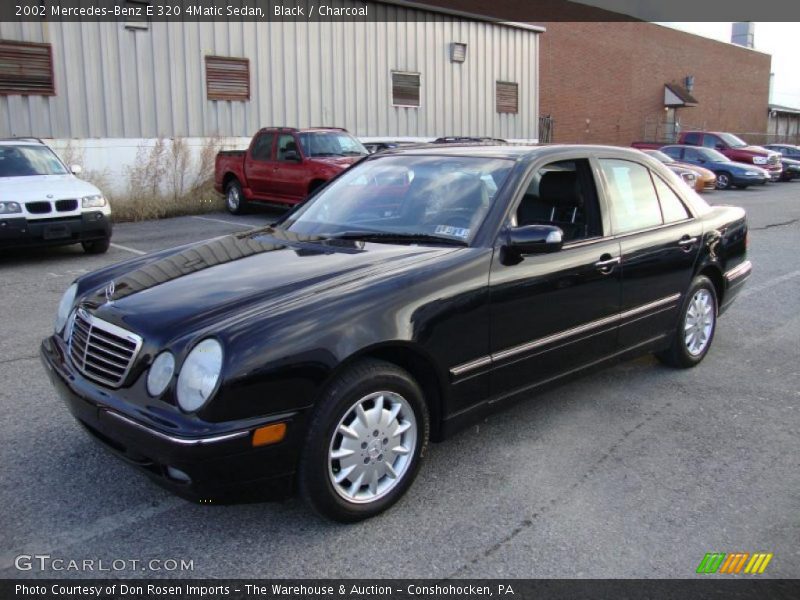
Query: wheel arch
point(227, 178)
point(417, 363)
point(714, 273)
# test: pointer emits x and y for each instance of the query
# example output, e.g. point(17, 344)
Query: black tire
point(724, 180)
point(96, 246)
point(234, 198)
point(741, 186)
point(317, 468)
point(678, 354)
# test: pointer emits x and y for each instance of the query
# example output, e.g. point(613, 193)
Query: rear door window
point(692, 138)
point(632, 198)
point(672, 207)
point(710, 141)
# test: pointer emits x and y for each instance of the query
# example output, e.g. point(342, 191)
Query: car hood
point(240, 276)
point(44, 187)
point(754, 150)
point(336, 161)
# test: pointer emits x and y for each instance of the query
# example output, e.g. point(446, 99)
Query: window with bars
point(405, 88)
point(507, 97)
point(227, 78)
point(26, 69)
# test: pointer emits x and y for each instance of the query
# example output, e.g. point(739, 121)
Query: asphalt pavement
point(636, 471)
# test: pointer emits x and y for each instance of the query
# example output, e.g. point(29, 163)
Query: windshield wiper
point(352, 153)
point(388, 237)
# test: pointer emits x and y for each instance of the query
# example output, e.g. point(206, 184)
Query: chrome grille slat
point(100, 350)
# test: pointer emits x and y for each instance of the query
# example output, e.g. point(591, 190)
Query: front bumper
point(748, 179)
point(20, 231)
point(221, 465)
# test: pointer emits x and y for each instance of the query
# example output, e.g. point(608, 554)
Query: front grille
point(773, 159)
point(38, 208)
point(66, 205)
point(100, 350)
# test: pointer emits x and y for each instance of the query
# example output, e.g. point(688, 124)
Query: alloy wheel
point(372, 447)
point(699, 322)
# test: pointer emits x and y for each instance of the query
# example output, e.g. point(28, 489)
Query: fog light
point(178, 475)
point(270, 434)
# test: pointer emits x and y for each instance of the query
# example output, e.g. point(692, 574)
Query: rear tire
point(96, 246)
point(697, 323)
point(234, 198)
point(359, 474)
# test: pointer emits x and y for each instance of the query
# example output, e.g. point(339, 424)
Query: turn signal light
point(270, 434)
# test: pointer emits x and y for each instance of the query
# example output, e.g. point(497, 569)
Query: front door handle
point(607, 263)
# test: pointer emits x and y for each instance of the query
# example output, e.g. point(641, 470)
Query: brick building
point(605, 82)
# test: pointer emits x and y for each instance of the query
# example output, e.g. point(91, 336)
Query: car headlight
point(161, 372)
point(95, 201)
point(7, 208)
point(759, 160)
point(199, 375)
point(65, 307)
point(752, 173)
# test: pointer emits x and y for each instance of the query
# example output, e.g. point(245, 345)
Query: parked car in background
point(705, 180)
point(736, 149)
point(43, 203)
point(728, 172)
point(323, 352)
point(373, 147)
point(284, 165)
point(790, 159)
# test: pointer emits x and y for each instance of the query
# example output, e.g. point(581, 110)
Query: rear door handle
point(687, 242)
point(607, 263)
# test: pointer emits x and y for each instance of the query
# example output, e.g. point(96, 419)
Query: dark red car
point(736, 149)
point(283, 165)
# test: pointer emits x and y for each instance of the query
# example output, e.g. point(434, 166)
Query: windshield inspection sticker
point(459, 232)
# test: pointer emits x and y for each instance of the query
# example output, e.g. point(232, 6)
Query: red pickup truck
point(283, 165)
point(731, 146)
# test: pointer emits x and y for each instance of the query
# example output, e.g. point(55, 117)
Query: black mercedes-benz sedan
point(413, 294)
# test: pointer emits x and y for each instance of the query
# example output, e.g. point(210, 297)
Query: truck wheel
point(96, 246)
point(365, 442)
point(724, 180)
point(234, 199)
point(694, 332)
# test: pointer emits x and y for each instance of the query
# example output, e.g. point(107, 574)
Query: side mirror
point(535, 239)
point(719, 146)
point(76, 169)
point(292, 156)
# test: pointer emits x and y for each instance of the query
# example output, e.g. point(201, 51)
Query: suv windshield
point(326, 143)
point(416, 198)
point(24, 161)
point(732, 140)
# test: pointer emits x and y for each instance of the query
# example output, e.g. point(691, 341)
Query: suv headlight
point(161, 372)
point(199, 375)
point(7, 208)
point(64, 307)
point(759, 160)
point(95, 201)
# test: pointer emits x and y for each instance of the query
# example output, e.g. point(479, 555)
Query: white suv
point(43, 203)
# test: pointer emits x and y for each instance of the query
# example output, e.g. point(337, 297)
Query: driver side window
point(562, 194)
point(286, 144)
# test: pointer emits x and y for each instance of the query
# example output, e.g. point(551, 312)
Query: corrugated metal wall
point(116, 82)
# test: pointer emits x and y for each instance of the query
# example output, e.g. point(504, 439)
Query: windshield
point(327, 143)
point(24, 161)
point(712, 155)
point(432, 197)
point(732, 140)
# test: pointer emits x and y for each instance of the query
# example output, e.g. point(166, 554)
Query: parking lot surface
point(636, 471)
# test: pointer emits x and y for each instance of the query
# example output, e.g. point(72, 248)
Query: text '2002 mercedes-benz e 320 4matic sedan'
point(405, 299)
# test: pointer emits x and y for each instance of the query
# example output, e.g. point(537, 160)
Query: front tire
point(694, 332)
point(96, 246)
point(234, 198)
point(724, 180)
point(365, 442)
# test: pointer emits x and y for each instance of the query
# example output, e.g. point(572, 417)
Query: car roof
point(508, 151)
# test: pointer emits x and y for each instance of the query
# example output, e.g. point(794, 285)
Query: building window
point(507, 97)
point(458, 52)
point(405, 88)
point(26, 69)
point(227, 78)
point(136, 14)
